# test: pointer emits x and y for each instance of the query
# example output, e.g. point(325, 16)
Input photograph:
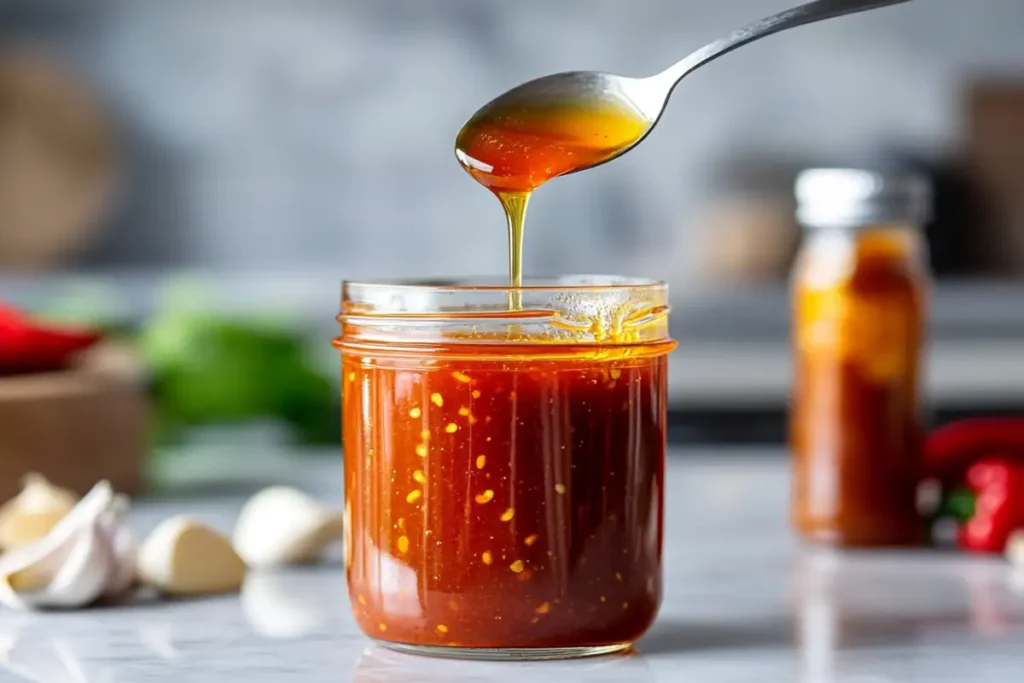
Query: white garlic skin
point(77, 563)
point(282, 526)
point(78, 577)
point(184, 557)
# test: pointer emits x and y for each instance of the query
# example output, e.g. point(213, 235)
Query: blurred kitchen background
point(198, 176)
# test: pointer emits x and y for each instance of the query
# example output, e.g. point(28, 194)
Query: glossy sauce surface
point(505, 503)
point(513, 150)
point(856, 430)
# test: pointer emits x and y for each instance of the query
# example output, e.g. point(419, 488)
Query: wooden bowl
point(76, 426)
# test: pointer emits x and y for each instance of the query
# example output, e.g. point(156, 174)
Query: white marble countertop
point(743, 602)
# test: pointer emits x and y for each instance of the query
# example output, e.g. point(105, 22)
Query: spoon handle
point(791, 18)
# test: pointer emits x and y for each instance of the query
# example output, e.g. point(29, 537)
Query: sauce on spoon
point(512, 147)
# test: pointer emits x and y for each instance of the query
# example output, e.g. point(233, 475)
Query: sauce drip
point(512, 148)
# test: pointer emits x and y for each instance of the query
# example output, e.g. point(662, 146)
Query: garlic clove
point(27, 527)
point(34, 512)
point(281, 525)
point(72, 566)
point(46, 555)
point(185, 557)
point(79, 580)
point(37, 492)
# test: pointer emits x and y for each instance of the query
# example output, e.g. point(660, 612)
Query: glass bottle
point(858, 292)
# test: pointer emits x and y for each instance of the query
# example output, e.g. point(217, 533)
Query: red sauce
point(856, 431)
point(498, 499)
point(510, 149)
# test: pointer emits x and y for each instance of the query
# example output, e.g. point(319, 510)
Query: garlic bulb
point(34, 512)
point(86, 556)
point(185, 557)
point(281, 525)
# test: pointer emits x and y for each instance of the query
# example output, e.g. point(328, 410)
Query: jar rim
point(569, 309)
point(553, 283)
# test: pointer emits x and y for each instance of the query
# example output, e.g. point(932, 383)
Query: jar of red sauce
point(504, 465)
point(858, 291)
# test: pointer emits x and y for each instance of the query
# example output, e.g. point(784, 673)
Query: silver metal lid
point(850, 198)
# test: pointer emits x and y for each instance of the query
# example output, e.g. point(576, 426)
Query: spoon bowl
point(554, 125)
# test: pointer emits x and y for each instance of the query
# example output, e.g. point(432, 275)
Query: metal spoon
point(645, 98)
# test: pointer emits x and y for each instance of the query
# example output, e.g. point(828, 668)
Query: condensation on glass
point(504, 468)
point(858, 292)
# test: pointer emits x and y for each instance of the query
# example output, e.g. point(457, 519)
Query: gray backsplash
point(309, 132)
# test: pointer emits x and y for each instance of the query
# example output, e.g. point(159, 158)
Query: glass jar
point(504, 468)
point(858, 290)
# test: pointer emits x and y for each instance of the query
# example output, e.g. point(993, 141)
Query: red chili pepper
point(998, 485)
point(987, 454)
point(26, 346)
point(950, 450)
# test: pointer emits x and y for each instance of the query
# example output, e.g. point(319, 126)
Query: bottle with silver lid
point(859, 287)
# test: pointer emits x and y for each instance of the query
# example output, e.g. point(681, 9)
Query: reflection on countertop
point(377, 664)
point(744, 601)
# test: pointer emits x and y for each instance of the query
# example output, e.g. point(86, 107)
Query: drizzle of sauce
point(512, 148)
